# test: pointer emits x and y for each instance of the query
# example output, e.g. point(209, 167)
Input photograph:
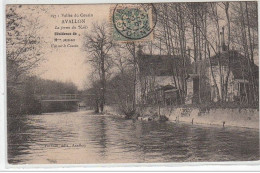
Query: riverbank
point(229, 117)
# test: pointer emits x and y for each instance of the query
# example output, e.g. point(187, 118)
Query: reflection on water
point(82, 137)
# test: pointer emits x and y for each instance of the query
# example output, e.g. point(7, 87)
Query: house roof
point(237, 62)
point(159, 59)
point(226, 57)
point(167, 87)
point(163, 64)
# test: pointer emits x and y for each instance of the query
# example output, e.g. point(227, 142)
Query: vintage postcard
point(132, 83)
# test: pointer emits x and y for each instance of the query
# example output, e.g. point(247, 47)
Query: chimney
point(223, 45)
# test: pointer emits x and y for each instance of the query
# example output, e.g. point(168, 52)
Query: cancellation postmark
point(133, 22)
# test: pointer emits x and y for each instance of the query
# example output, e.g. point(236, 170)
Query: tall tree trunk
point(245, 45)
point(103, 85)
point(213, 76)
point(254, 85)
point(135, 75)
point(228, 49)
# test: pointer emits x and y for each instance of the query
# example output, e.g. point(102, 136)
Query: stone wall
point(248, 118)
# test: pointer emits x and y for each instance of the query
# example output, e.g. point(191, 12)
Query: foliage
point(23, 45)
point(25, 99)
point(120, 90)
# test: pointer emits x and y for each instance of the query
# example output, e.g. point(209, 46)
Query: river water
point(82, 137)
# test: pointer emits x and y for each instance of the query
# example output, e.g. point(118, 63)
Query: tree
point(23, 54)
point(23, 45)
point(173, 21)
point(98, 44)
point(120, 89)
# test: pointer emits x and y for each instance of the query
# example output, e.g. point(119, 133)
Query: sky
point(67, 64)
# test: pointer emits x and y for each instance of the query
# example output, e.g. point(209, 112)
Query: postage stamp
point(133, 22)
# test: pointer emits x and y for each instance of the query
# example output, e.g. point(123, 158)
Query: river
point(82, 137)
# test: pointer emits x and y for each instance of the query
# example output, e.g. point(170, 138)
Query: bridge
point(60, 98)
point(61, 102)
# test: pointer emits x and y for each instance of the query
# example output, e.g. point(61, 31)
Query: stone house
point(229, 69)
point(225, 76)
point(156, 82)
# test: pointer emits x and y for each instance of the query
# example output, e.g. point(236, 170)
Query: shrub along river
point(82, 137)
